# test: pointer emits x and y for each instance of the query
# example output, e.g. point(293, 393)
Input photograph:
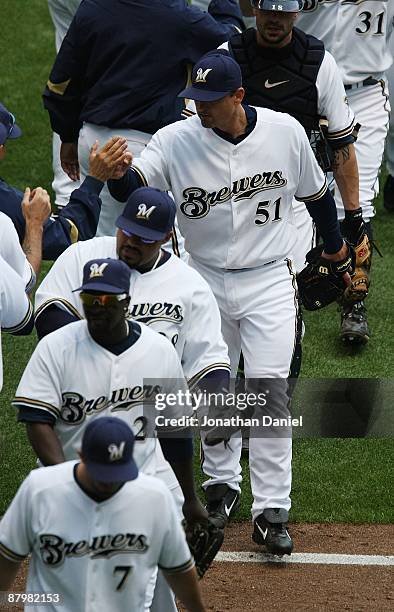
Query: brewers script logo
point(201, 76)
point(54, 549)
point(197, 201)
point(75, 408)
point(158, 311)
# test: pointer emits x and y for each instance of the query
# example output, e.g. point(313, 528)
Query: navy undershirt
point(251, 118)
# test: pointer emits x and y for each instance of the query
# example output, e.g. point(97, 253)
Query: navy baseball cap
point(287, 6)
point(214, 76)
point(106, 275)
point(149, 213)
point(107, 450)
point(8, 128)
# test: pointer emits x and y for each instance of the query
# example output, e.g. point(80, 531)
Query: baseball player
point(288, 71)
point(233, 189)
point(102, 85)
point(96, 529)
point(76, 221)
point(388, 199)
point(62, 13)
point(357, 34)
point(16, 311)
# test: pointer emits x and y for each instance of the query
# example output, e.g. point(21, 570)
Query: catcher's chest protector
point(282, 80)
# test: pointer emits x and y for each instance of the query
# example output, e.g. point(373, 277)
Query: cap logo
point(144, 212)
point(201, 76)
point(116, 452)
point(97, 270)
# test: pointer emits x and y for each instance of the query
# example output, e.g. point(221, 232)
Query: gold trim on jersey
point(10, 554)
point(58, 300)
point(297, 307)
point(22, 324)
point(58, 88)
point(341, 133)
point(179, 569)
point(32, 403)
point(175, 243)
point(214, 366)
point(315, 196)
point(74, 232)
point(141, 175)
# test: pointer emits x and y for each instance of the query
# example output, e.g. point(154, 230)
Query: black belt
point(365, 83)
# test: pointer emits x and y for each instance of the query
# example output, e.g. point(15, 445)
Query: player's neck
point(151, 264)
point(237, 125)
point(119, 333)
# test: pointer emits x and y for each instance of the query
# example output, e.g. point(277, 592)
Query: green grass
point(334, 479)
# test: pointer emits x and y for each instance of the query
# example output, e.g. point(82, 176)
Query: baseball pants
point(390, 135)
point(258, 309)
point(371, 107)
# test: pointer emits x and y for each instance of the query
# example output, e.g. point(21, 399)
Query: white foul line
point(315, 558)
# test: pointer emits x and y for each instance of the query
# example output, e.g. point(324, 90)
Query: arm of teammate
point(333, 104)
point(186, 588)
point(15, 534)
point(36, 208)
point(38, 398)
point(175, 560)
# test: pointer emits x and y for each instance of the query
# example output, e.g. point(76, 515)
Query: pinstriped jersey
point(98, 556)
point(172, 299)
point(356, 32)
point(234, 201)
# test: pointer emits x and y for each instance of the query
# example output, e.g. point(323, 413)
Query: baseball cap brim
point(102, 287)
point(121, 472)
point(202, 95)
point(138, 230)
point(4, 135)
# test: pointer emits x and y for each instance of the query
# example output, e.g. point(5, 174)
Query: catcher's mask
point(287, 6)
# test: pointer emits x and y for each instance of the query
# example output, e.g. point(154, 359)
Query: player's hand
point(69, 159)
point(338, 256)
point(120, 169)
point(104, 163)
point(36, 205)
point(194, 511)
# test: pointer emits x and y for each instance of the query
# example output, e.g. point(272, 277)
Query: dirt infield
point(239, 587)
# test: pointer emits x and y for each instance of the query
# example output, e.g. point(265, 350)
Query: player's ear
point(126, 302)
point(239, 95)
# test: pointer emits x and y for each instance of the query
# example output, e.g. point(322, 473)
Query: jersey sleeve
point(312, 183)
point(205, 349)
point(12, 252)
point(333, 103)
point(175, 555)
point(57, 286)
point(16, 538)
point(16, 309)
point(39, 387)
point(153, 164)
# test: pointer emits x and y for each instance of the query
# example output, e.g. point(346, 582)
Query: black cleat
point(354, 325)
point(388, 194)
point(222, 503)
point(270, 531)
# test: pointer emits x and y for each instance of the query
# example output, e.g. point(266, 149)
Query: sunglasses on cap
point(89, 299)
point(143, 240)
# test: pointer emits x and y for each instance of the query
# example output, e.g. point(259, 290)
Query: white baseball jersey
point(235, 201)
point(172, 299)
point(75, 380)
point(97, 556)
point(11, 251)
point(16, 310)
point(356, 32)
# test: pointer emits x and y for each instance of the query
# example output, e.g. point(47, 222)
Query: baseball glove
point(204, 540)
point(353, 228)
point(320, 283)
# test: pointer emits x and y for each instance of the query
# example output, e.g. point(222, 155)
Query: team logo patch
point(201, 76)
point(116, 452)
point(97, 270)
point(144, 212)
